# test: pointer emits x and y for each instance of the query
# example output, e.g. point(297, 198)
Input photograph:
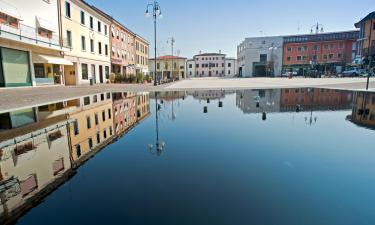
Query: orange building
point(317, 99)
point(326, 52)
point(367, 38)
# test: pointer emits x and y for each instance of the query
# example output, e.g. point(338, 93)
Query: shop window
point(39, 71)
point(85, 74)
point(15, 68)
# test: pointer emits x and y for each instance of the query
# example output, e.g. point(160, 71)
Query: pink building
point(211, 65)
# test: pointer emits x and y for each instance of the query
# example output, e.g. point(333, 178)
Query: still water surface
point(306, 162)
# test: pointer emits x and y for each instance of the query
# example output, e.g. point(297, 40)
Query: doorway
point(93, 72)
point(101, 79)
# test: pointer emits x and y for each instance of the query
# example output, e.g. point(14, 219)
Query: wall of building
point(141, 56)
point(250, 50)
point(76, 53)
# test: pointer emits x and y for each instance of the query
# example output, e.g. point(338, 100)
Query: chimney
point(200, 52)
point(219, 51)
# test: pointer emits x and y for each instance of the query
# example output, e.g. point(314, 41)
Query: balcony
point(30, 35)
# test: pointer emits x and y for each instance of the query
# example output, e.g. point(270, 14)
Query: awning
point(45, 24)
point(51, 60)
point(9, 10)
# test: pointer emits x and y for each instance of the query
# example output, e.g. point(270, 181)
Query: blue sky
point(213, 25)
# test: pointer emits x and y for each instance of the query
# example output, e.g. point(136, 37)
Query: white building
point(211, 65)
point(30, 48)
point(165, 70)
point(260, 57)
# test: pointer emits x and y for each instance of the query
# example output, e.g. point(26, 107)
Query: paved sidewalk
point(20, 98)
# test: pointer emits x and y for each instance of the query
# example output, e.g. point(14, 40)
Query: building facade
point(30, 48)
point(260, 57)
point(211, 65)
point(169, 68)
point(363, 112)
point(141, 55)
point(124, 109)
point(366, 41)
point(323, 53)
point(85, 31)
point(92, 124)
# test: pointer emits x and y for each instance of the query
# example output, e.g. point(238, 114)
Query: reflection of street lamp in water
point(160, 145)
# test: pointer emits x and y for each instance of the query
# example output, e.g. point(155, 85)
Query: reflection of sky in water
point(224, 167)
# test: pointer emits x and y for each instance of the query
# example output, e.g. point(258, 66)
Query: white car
point(352, 72)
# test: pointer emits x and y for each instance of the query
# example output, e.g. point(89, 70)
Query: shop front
point(49, 69)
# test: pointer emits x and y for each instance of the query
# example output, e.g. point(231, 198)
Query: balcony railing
point(30, 35)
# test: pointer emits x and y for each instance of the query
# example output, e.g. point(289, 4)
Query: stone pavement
point(21, 98)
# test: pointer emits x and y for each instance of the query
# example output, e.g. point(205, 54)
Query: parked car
point(351, 72)
point(365, 73)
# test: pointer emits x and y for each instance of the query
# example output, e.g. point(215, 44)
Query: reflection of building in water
point(364, 109)
point(92, 126)
point(31, 157)
point(203, 95)
point(269, 100)
point(169, 95)
point(143, 105)
point(316, 99)
point(124, 108)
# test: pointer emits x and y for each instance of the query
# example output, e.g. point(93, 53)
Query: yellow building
point(92, 126)
point(141, 55)
point(143, 105)
point(85, 31)
point(364, 109)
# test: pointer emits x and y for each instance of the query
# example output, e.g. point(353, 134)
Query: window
point(106, 50)
point(229, 64)
point(75, 128)
point(299, 58)
point(263, 57)
point(110, 131)
point(314, 57)
point(92, 45)
point(99, 26)
point(108, 95)
point(86, 100)
point(339, 55)
point(325, 56)
point(289, 49)
point(91, 23)
point(103, 116)
point(78, 150)
point(82, 18)
point(100, 48)
point(88, 122)
point(105, 30)
point(69, 38)
point(85, 74)
point(304, 58)
point(96, 119)
point(107, 72)
point(330, 56)
point(67, 9)
point(97, 138)
point(105, 134)
point(190, 66)
point(95, 97)
point(288, 58)
point(91, 145)
point(109, 114)
point(83, 43)
point(102, 97)
point(315, 48)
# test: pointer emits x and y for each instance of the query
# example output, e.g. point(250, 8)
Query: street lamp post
point(156, 12)
point(172, 41)
point(272, 49)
